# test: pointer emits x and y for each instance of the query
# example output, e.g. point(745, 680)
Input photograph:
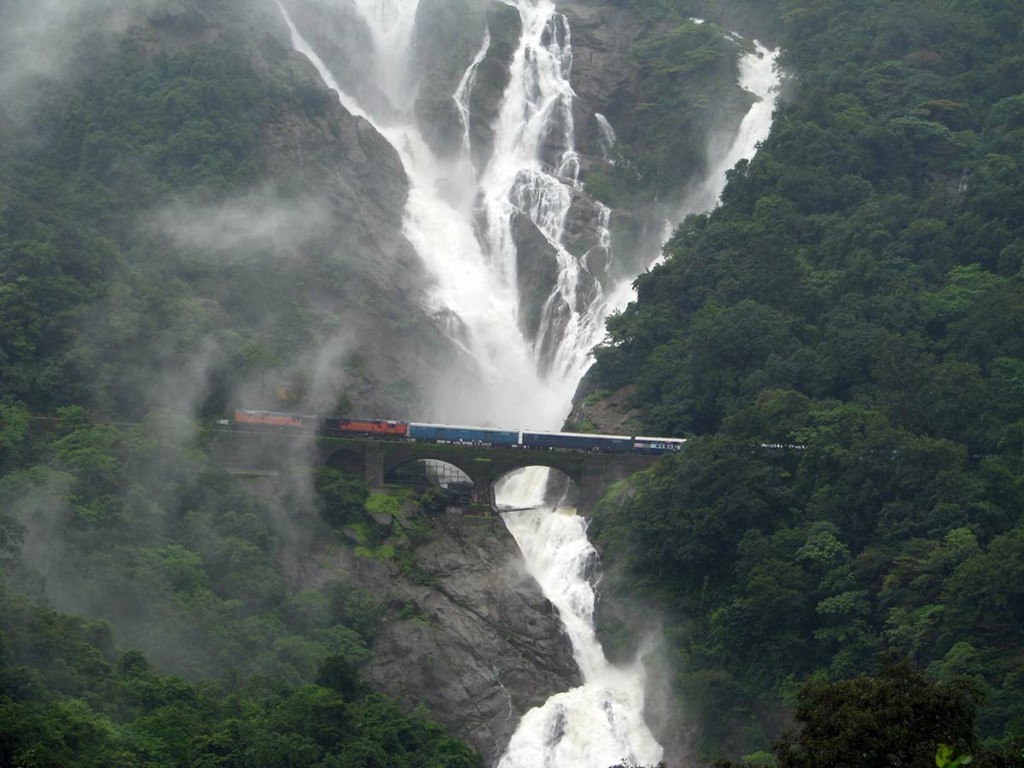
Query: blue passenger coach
point(448, 433)
point(576, 441)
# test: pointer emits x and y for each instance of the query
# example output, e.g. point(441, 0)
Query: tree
point(893, 717)
point(341, 497)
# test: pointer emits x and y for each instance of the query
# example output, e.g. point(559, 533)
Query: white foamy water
point(439, 222)
point(601, 722)
point(759, 75)
point(460, 221)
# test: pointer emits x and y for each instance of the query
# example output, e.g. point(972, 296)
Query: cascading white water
point(758, 75)
point(608, 137)
point(391, 23)
point(439, 223)
point(534, 173)
point(601, 722)
point(461, 96)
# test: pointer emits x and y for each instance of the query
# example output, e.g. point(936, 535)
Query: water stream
point(600, 722)
point(460, 221)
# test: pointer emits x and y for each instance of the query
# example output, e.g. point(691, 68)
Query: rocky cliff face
point(471, 636)
point(449, 34)
point(605, 69)
point(604, 77)
point(468, 634)
point(338, 266)
point(504, 28)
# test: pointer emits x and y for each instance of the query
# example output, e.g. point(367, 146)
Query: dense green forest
point(843, 342)
point(140, 526)
point(124, 137)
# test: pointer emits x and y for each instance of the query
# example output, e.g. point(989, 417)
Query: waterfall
point(535, 171)
point(601, 722)
point(461, 96)
point(758, 75)
point(608, 138)
point(463, 227)
point(439, 222)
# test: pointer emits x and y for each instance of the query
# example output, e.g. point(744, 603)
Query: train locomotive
point(391, 429)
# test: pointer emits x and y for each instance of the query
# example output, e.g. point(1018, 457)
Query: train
point(393, 429)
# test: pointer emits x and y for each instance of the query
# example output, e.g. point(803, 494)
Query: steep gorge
point(308, 270)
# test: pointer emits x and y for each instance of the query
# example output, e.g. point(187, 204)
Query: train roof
point(362, 418)
point(290, 415)
point(460, 426)
point(593, 435)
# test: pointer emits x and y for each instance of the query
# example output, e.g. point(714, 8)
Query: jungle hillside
point(842, 340)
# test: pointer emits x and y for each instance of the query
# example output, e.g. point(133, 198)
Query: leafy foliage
point(893, 716)
point(842, 340)
point(137, 525)
point(67, 699)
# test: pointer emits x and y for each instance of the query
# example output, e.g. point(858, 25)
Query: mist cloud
point(261, 221)
point(38, 39)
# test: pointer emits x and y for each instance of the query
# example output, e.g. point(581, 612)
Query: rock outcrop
point(340, 190)
point(604, 68)
point(505, 28)
point(472, 637)
point(341, 39)
point(536, 271)
point(449, 34)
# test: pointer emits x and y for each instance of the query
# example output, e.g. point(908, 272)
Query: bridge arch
point(393, 464)
point(348, 461)
point(559, 486)
point(430, 472)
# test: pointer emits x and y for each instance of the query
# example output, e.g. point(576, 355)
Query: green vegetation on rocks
point(842, 340)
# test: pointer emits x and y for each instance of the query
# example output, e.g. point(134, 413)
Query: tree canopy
point(842, 340)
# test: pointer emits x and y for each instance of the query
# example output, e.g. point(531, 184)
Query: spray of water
point(439, 222)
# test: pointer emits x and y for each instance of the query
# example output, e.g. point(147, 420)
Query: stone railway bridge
point(377, 459)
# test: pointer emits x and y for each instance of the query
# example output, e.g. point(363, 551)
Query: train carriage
point(450, 433)
point(576, 441)
point(378, 427)
point(655, 446)
point(274, 420)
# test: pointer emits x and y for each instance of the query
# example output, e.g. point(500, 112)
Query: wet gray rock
point(340, 38)
point(604, 70)
point(492, 77)
point(611, 413)
point(320, 153)
point(479, 645)
point(449, 34)
point(582, 225)
point(536, 271)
